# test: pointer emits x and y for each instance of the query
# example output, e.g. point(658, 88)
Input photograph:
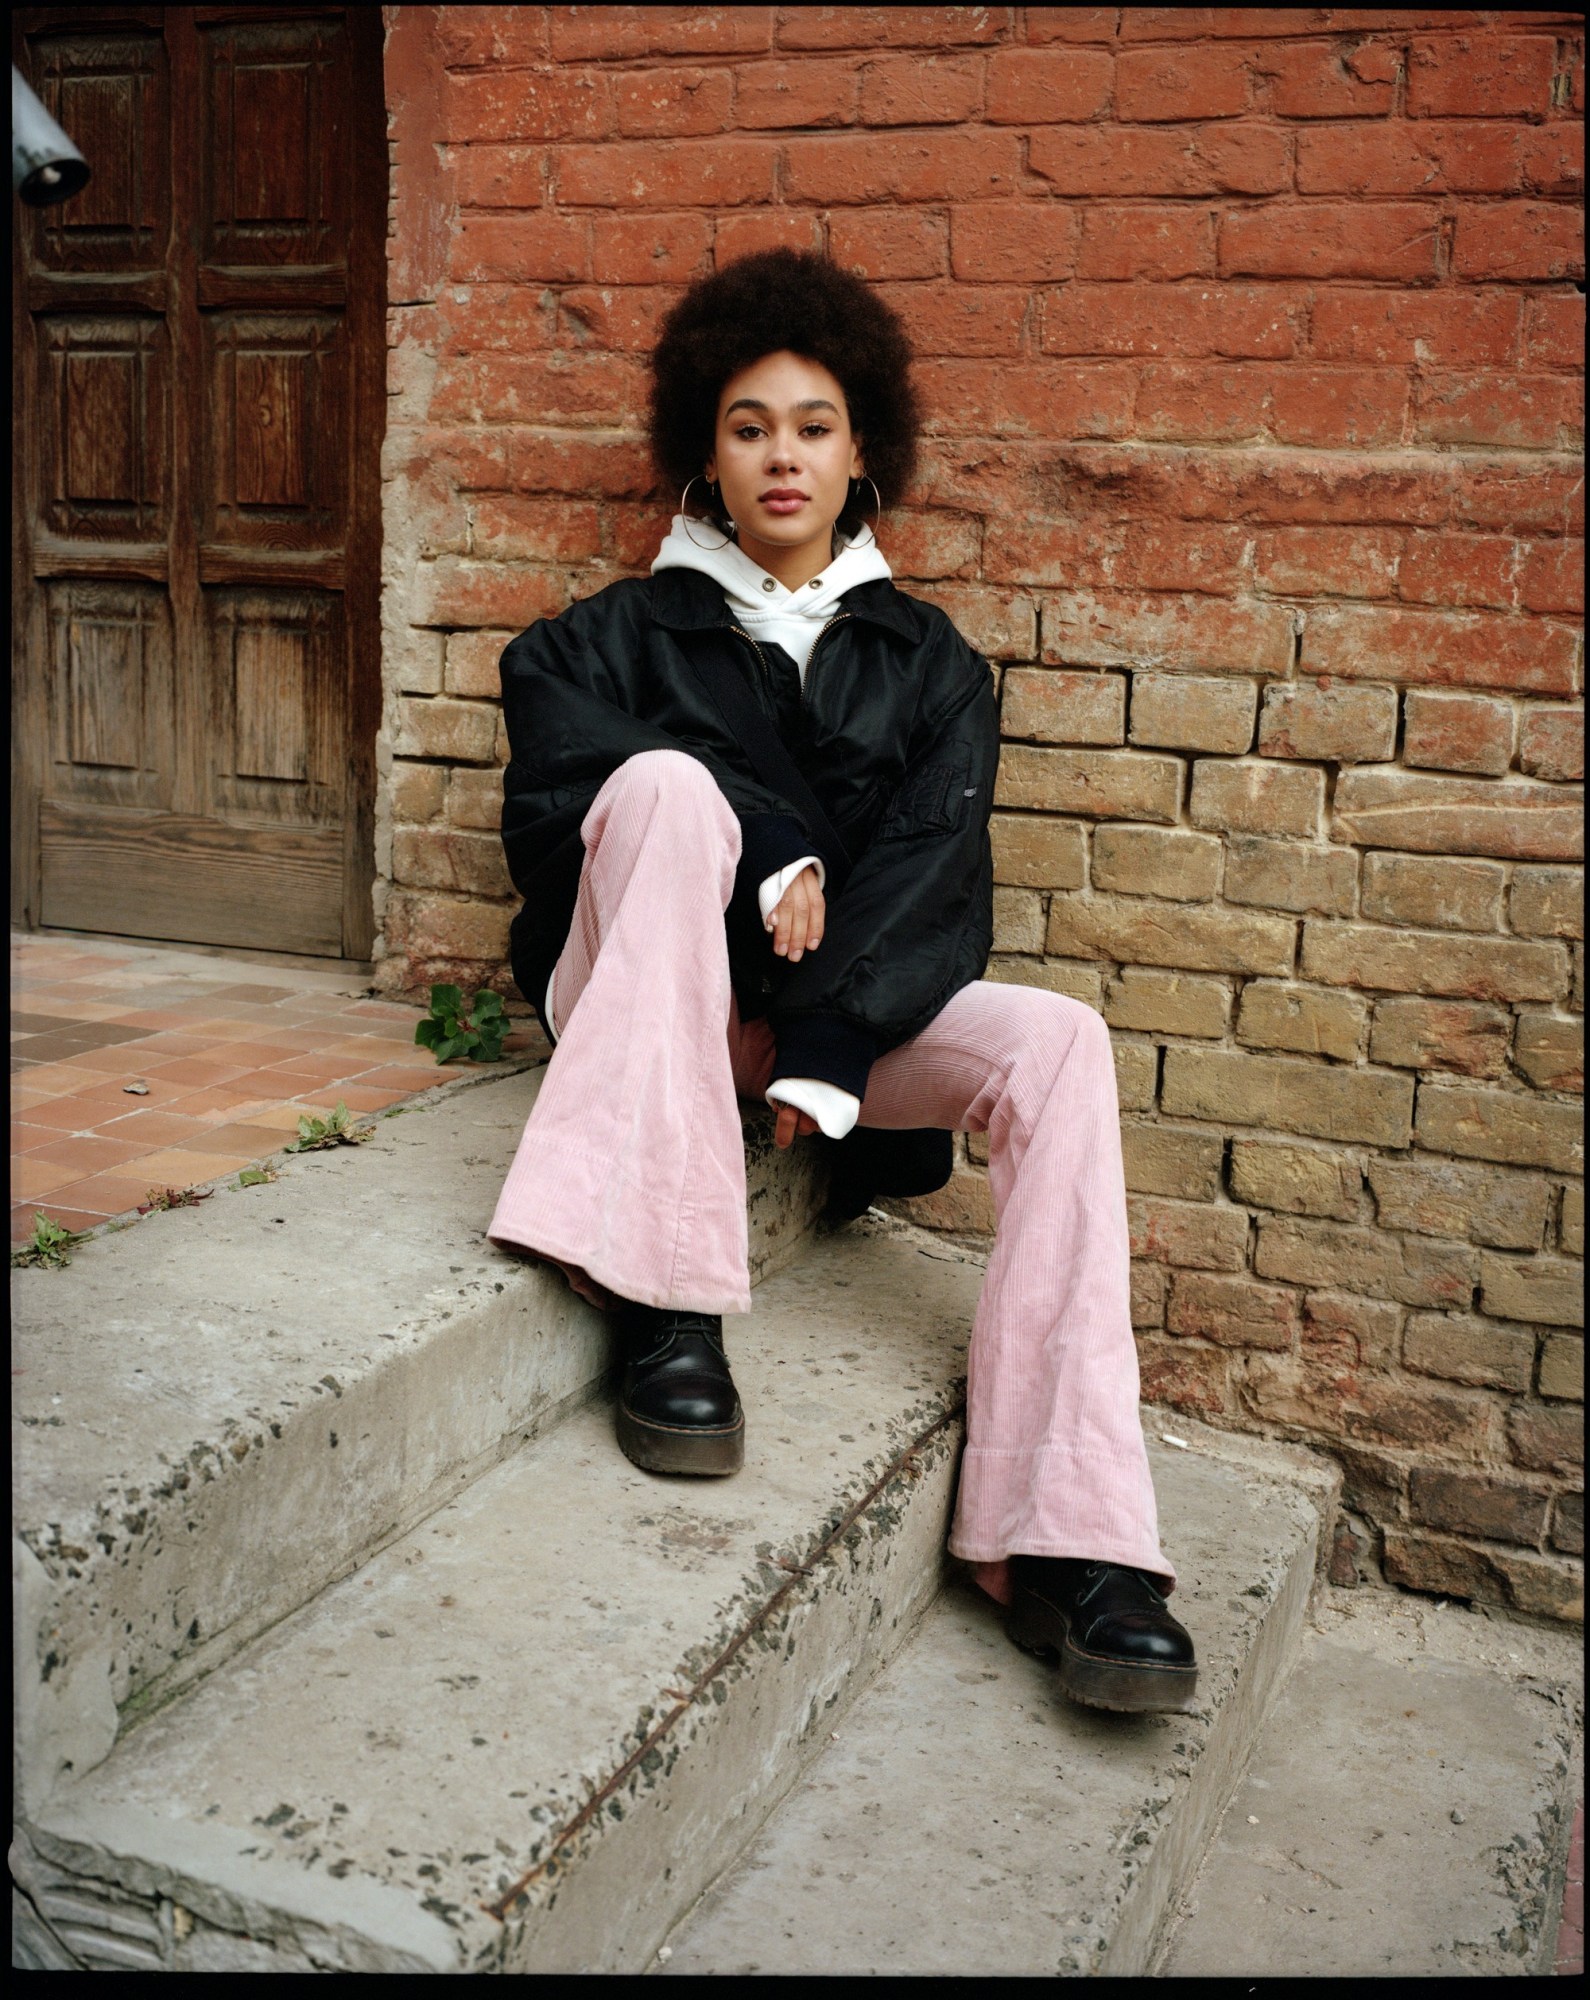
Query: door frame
point(366, 322)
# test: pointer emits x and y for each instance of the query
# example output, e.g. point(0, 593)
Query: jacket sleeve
point(914, 922)
point(570, 726)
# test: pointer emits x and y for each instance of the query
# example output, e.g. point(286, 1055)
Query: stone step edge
point(70, 1713)
point(906, 1464)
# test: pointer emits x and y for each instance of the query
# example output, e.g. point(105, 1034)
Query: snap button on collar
point(815, 584)
point(768, 583)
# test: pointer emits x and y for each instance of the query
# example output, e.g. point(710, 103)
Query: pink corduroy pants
point(631, 1172)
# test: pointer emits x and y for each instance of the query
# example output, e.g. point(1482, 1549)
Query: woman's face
point(784, 455)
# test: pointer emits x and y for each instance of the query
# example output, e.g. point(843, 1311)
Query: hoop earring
point(871, 542)
point(685, 518)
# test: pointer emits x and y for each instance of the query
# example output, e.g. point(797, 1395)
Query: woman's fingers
point(798, 917)
point(792, 1124)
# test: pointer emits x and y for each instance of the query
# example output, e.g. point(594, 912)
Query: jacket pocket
point(932, 800)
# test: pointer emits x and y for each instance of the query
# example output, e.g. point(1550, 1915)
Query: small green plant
point(255, 1176)
point(159, 1198)
point(47, 1248)
point(313, 1133)
point(451, 1030)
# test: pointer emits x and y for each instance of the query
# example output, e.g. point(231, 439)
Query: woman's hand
point(792, 1124)
point(797, 918)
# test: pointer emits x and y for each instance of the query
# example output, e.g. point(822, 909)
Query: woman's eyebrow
point(750, 403)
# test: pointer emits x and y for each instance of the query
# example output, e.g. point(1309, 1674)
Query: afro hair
point(768, 302)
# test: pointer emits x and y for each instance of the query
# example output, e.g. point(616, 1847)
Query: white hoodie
point(791, 619)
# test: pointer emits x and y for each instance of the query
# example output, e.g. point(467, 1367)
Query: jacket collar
point(686, 600)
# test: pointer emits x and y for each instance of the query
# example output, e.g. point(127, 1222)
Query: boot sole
point(678, 1448)
point(1093, 1679)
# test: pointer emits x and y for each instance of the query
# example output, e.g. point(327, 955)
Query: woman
point(697, 925)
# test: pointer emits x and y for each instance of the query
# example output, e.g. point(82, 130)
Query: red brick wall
point(1253, 346)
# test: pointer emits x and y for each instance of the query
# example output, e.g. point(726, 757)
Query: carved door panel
point(199, 358)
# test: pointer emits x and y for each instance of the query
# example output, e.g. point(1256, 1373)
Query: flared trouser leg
point(631, 1170)
point(1055, 1463)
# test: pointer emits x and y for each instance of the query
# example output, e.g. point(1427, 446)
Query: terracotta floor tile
point(285, 1117)
point(107, 1194)
point(33, 1178)
point(218, 1106)
point(362, 1101)
point(167, 1044)
point(50, 1079)
point(255, 1141)
point(159, 1092)
point(67, 1114)
point(260, 1055)
point(304, 1073)
point(150, 1130)
point(90, 1154)
point(70, 1218)
point(222, 1028)
point(26, 1138)
point(196, 1072)
point(408, 1077)
point(110, 1062)
point(177, 1168)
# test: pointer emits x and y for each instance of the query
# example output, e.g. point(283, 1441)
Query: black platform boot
point(677, 1409)
point(1110, 1628)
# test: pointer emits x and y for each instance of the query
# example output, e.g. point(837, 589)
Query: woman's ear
point(856, 468)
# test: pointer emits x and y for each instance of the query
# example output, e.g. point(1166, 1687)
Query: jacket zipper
point(811, 657)
point(761, 661)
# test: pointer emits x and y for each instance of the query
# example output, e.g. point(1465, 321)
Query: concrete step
point(1407, 1808)
point(971, 1820)
point(222, 1409)
point(531, 1729)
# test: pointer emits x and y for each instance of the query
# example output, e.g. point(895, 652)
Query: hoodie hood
point(755, 596)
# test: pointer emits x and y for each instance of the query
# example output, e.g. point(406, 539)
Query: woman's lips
point(784, 503)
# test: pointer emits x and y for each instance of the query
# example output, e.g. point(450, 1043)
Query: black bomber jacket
point(897, 733)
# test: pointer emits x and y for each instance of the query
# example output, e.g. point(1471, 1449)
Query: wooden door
point(199, 355)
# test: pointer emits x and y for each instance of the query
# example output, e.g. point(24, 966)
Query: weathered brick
point(1436, 1197)
point(474, 799)
point(1136, 1074)
point(1186, 712)
point(1441, 1034)
point(1551, 744)
point(1200, 81)
point(1254, 797)
point(1562, 1367)
point(1141, 242)
point(1571, 1227)
point(1474, 968)
point(1129, 929)
point(474, 664)
point(1440, 329)
point(1289, 1094)
point(437, 930)
point(1297, 1180)
point(1438, 894)
point(1232, 1312)
point(1141, 861)
point(418, 663)
point(454, 732)
point(1052, 975)
point(1547, 902)
point(1177, 1376)
point(1533, 1584)
point(1457, 732)
point(1323, 1401)
point(1115, 160)
point(1037, 853)
point(1567, 1524)
point(1544, 1290)
point(1309, 1020)
point(439, 858)
point(1458, 1347)
point(1018, 920)
point(1549, 1049)
point(1170, 1003)
point(1318, 719)
point(1514, 819)
point(1195, 1234)
point(1473, 75)
point(1477, 1503)
point(1047, 86)
point(1107, 784)
point(1514, 1127)
point(417, 791)
point(1513, 240)
point(1165, 1159)
point(1547, 1437)
point(1459, 571)
point(1373, 1482)
point(965, 1204)
point(1346, 1333)
point(1284, 875)
point(1057, 707)
point(1440, 648)
point(1149, 1285)
point(1173, 633)
point(1382, 240)
point(1415, 1271)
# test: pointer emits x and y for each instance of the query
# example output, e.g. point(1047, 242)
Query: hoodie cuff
point(768, 842)
point(827, 1048)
